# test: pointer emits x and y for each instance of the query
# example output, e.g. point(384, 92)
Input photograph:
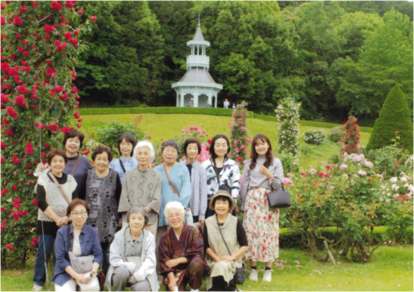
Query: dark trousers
point(105, 250)
point(39, 277)
point(220, 285)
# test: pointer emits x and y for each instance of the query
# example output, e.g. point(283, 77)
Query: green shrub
point(394, 116)
point(315, 137)
point(336, 134)
point(109, 133)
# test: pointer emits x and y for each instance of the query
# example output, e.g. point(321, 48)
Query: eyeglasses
point(82, 214)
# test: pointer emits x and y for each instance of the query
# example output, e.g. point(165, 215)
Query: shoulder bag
point(122, 165)
point(279, 199)
point(59, 187)
point(188, 213)
point(240, 275)
point(81, 264)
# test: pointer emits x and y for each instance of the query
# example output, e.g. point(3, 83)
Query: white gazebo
point(197, 82)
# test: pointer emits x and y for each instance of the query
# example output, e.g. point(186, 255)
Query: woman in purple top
point(77, 164)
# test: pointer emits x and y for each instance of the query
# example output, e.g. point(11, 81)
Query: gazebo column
point(177, 104)
point(182, 99)
point(209, 99)
point(215, 101)
point(196, 95)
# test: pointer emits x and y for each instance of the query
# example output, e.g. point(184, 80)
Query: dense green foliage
point(336, 58)
point(315, 137)
point(394, 118)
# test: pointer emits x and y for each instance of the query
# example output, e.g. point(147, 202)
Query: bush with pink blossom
point(239, 140)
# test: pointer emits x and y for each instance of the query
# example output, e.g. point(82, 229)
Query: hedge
point(198, 111)
point(291, 238)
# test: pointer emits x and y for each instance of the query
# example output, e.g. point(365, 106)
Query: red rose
point(3, 22)
point(33, 244)
point(239, 158)
point(3, 145)
point(80, 120)
point(58, 89)
point(53, 127)
point(17, 36)
point(80, 11)
point(93, 18)
point(10, 247)
point(34, 4)
point(19, 101)
point(86, 152)
point(34, 201)
point(74, 90)
point(56, 6)
point(321, 174)
point(209, 141)
point(76, 115)
point(74, 42)
point(70, 4)
point(16, 215)
point(47, 145)
point(327, 175)
point(26, 53)
point(17, 21)
point(79, 125)
point(47, 37)
point(24, 213)
point(16, 160)
point(51, 71)
point(65, 129)
point(75, 33)
point(3, 210)
point(328, 167)
point(9, 132)
point(67, 35)
point(48, 29)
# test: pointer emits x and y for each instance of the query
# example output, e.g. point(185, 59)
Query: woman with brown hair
point(261, 173)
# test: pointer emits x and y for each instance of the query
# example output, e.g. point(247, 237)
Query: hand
point(120, 222)
point(43, 167)
point(265, 171)
point(172, 263)
point(81, 278)
point(62, 221)
point(226, 259)
point(172, 284)
point(148, 209)
point(201, 223)
point(132, 280)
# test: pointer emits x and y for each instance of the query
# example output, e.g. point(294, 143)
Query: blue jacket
point(89, 243)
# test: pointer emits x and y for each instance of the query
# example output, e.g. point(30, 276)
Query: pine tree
point(394, 116)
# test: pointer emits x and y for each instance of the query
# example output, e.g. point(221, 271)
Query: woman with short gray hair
point(176, 184)
point(142, 186)
point(133, 260)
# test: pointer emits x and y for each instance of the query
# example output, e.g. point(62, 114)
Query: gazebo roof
point(198, 35)
point(197, 77)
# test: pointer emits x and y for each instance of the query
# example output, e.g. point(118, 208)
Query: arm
point(164, 255)
point(242, 239)
point(245, 183)
point(47, 210)
point(185, 191)
point(124, 203)
point(150, 262)
point(118, 188)
point(61, 250)
point(276, 177)
point(155, 204)
point(235, 187)
point(203, 194)
point(97, 250)
point(73, 186)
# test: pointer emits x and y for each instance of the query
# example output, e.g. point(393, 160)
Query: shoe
point(267, 276)
point(37, 288)
point(194, 290)
point(253, 276)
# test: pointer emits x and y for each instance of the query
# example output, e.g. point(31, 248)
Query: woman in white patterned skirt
point(261, 173)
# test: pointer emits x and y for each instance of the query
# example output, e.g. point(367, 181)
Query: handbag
point(240, 275)
point(81, 264)
point(279, 198)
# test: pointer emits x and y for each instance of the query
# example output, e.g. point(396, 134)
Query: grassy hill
point(168, 126)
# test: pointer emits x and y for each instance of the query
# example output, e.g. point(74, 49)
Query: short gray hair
point(173, 205)
point(137, 209)
point(171, 143)
point(145, 143)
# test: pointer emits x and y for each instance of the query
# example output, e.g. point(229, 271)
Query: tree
point(37, 100)
point(394, 117)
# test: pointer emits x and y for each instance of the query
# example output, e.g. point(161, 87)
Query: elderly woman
point(127, 161)
point(222, 171)
point(101, 189)
point(181, 252)
point(133, 260)
point(176, 184)
point(262, 173)
point(224, 242)
point(198, 201)
point(142, 186)
point(81, 240)
point(52, 210)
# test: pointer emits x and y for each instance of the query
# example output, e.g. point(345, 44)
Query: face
point(175, 218)
point(261, 147)
point(126, 147)
point(57, 164)
point(192, 150)
point(101, 161)
point(221, 147)
point(221, 206)
point(169, 154)
point(136, 222)
point(143, 156)
point(72, 145)
point(78, 215)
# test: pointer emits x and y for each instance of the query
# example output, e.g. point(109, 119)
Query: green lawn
point(391, 269)
point(169, 126)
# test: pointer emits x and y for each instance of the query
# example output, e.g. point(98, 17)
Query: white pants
point(70, 285)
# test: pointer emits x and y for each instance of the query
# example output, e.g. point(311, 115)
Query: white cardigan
point(148, 259)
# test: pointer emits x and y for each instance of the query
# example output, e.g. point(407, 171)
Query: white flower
point(362, 172)
point(343, 167)
point(404, 179)
point(393, 179)
point(369, 164)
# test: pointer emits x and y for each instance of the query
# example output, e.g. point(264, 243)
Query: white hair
point(173, 205)
point(145, 143)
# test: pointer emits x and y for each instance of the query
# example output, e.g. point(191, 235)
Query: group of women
point(176, 220)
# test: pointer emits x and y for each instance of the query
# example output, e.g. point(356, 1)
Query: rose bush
point(37, 102)
point(239, 140)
